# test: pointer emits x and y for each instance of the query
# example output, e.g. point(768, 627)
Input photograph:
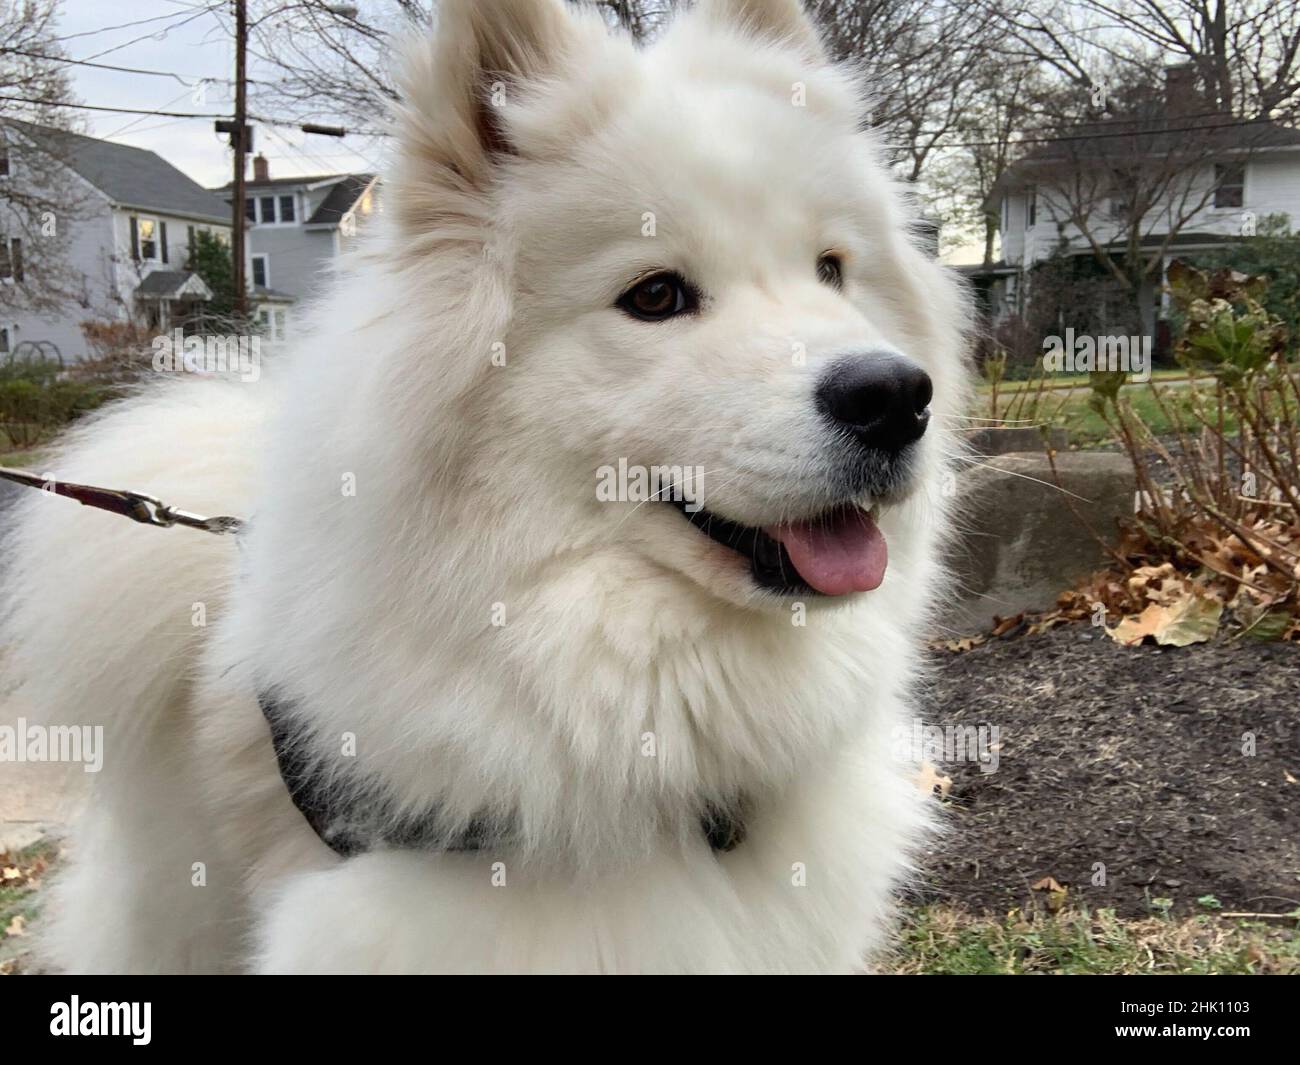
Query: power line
point(159, 35)
point(1147, 132)
point(124, 70)
point(940, 144)
point(128, 126)
point(316, 159)
point(114, 110)
point(283, 123)
point(128, 25)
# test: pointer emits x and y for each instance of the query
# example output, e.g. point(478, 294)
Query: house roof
point(309, 179)
point(173, 285)
point(262, 294)
point(340, 200)
point(1120, 137)
point(1180, 240)
point(130, 177)
point(1001, 268)
point(1114, 140)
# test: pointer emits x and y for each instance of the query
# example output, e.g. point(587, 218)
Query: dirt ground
point(1127, 756)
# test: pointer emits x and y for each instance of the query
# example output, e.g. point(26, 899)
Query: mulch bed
point(1127, 756)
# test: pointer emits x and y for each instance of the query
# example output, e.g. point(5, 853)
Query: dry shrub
point(1218, 500)
point(119, 351)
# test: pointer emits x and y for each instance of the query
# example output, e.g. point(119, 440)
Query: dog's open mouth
point(838, 552)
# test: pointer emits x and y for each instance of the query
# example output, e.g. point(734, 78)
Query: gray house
point(122, 239)
point(297, 226)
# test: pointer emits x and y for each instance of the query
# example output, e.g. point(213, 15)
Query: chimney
point(1181, 97)
point(261, 170)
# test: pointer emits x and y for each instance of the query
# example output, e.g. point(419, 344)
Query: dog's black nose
point(883, 398)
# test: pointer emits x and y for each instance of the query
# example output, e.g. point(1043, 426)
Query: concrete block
point(1021, 544)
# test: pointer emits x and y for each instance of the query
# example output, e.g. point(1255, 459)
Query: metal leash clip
point(145, 509)
point(165, 516)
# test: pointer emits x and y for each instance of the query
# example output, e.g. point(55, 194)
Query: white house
point(1179, 183)
point(124, 239)
point(297, 226)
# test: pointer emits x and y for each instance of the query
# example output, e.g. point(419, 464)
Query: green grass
point(940, 940)
point(1073, 380)
point(22, 459)
point(1069, 408)
point(11, 456)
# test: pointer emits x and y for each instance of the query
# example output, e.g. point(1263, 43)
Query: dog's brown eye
point(830, 271)
point(658, 297)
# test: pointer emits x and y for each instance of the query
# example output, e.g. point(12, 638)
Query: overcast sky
point(193, 44)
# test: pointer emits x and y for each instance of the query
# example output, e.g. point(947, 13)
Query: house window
point(274, 322)
point(286, 209)
point(260, 270)
point(1031, 206)
point(250, 209)
point(1124, 188)
point(1229, 184)
point(268, 210)
point(147, 229)
point(11, 259)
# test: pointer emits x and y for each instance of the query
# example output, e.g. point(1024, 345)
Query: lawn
point(942, 940)
point(23, 458)
point(1066, 405)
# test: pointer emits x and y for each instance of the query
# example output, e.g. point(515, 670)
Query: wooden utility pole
point(239, 140)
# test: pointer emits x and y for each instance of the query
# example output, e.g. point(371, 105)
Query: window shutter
point(135, 239)
point(16, 258)
point(162, 236)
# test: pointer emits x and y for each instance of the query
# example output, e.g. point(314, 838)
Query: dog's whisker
point(1022, 476)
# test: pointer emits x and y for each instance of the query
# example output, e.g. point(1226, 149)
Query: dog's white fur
point(638, 671)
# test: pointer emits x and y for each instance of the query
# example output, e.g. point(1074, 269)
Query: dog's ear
point(453, 84)
point(779, 20)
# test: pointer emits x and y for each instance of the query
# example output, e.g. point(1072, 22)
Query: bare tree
point(41, 199)
point(1245, 54)
point(641, 18)
point(331, 61)
point(334, 61)
point(922, 59)
point(27, 30)
point(985, 140)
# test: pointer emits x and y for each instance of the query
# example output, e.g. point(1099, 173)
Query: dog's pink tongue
point(836, 555)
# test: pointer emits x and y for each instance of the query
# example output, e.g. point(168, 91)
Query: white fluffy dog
point(446, 705)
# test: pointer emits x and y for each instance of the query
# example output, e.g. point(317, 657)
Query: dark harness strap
point(347, 832)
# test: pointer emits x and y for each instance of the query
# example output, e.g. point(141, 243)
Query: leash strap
point(145, 509)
